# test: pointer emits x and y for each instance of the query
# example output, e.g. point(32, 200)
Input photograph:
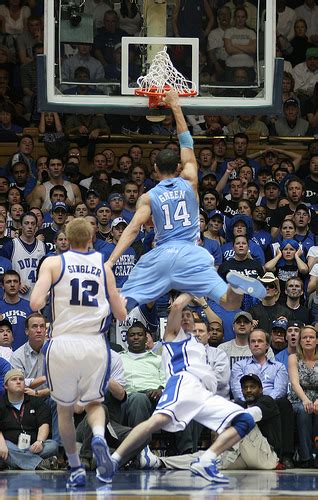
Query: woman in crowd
point(13, 17)
point(303, 376)
point(288, 262)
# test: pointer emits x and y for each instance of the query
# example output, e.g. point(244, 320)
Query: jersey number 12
point(89, 291)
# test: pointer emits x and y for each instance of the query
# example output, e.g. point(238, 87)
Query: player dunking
point(190, 394)
point(77, 358)
point(177, 262)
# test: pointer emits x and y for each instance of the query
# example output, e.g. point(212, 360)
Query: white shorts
point(185, 398)
point(78, 369)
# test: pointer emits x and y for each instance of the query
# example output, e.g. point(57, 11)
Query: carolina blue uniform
point(176, 262)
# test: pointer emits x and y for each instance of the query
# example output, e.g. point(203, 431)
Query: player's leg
point(232, 423)
point(96, 420)
point(137, 437)
point(68, 436)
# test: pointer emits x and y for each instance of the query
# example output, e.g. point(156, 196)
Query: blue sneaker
point(104, 464)
point(77, 477)
point(208, 471)
point(251, 286)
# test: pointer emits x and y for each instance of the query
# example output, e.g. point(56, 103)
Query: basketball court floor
point(155, 485)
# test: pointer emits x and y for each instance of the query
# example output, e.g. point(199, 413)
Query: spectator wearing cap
point(24, 426)
point(242, 225)
point(6, 339)
point(208, 181)
point(295, 192)
point(125, 264)
point(269, 308)
point(14, 308)
point(278, 334)
point(92, 199)
point(210, 200)
point(116, 203)
point(291, 124)
point(97, 244)
point(215, 227)
point(303, 375)
point(261, 448)
point(57, 193)
point(288, 262)
point(291, 337)
point(59, 213)
point(103, 214)
point(306, 73)
point(271, 197)
point(238, 347)
point(274, 378)
point(302, 218)
point(294, 292)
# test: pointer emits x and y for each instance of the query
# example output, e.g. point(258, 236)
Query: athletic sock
point(207, 457)
point(73, 459)
point(116, 458)
point(98, 430)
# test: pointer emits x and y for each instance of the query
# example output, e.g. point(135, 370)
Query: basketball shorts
point(184, 267)
point(185, 399)
point(77, 369)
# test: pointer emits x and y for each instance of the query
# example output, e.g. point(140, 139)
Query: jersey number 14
point(180, 213)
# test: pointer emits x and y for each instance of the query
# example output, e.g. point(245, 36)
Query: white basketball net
point(162, 73)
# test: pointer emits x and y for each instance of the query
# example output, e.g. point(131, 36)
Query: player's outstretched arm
point(117, 301)
point(174, 319)
point(188, 159)
point(44, 282)
point(129, 235)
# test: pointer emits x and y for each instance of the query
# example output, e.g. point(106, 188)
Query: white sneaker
point(148, 460)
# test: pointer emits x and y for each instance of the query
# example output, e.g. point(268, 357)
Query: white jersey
point(47, 205)
point(185, 353)
point(79, 297)
point(26, 261)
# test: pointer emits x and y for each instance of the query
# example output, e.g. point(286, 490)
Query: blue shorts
point(178, 266)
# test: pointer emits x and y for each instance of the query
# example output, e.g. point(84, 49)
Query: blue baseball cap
point(216, 213)
point(280, 323)
point(101, 205)
point(59, 204)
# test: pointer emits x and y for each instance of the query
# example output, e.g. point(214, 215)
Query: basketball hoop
point(161, 78)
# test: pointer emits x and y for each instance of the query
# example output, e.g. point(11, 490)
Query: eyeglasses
point(270, 285)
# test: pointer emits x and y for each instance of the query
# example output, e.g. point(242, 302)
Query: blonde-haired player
point(83, 293)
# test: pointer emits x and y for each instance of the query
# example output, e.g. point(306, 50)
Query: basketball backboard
point(114, 93)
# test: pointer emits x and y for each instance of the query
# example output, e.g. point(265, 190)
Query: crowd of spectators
point(258, 216)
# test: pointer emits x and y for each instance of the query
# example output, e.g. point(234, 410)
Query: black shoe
point(288, 463)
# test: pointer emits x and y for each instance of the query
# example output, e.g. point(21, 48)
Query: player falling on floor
point(190, 394)
point(177, 262)
point(83, 292)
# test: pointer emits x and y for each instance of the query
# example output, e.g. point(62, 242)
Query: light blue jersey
point(175, 211)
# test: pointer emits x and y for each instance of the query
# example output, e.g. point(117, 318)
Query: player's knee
point(243, 424)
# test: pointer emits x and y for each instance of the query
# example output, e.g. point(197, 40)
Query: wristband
point(185, 140)
point(40, 441)
point(205, 306)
